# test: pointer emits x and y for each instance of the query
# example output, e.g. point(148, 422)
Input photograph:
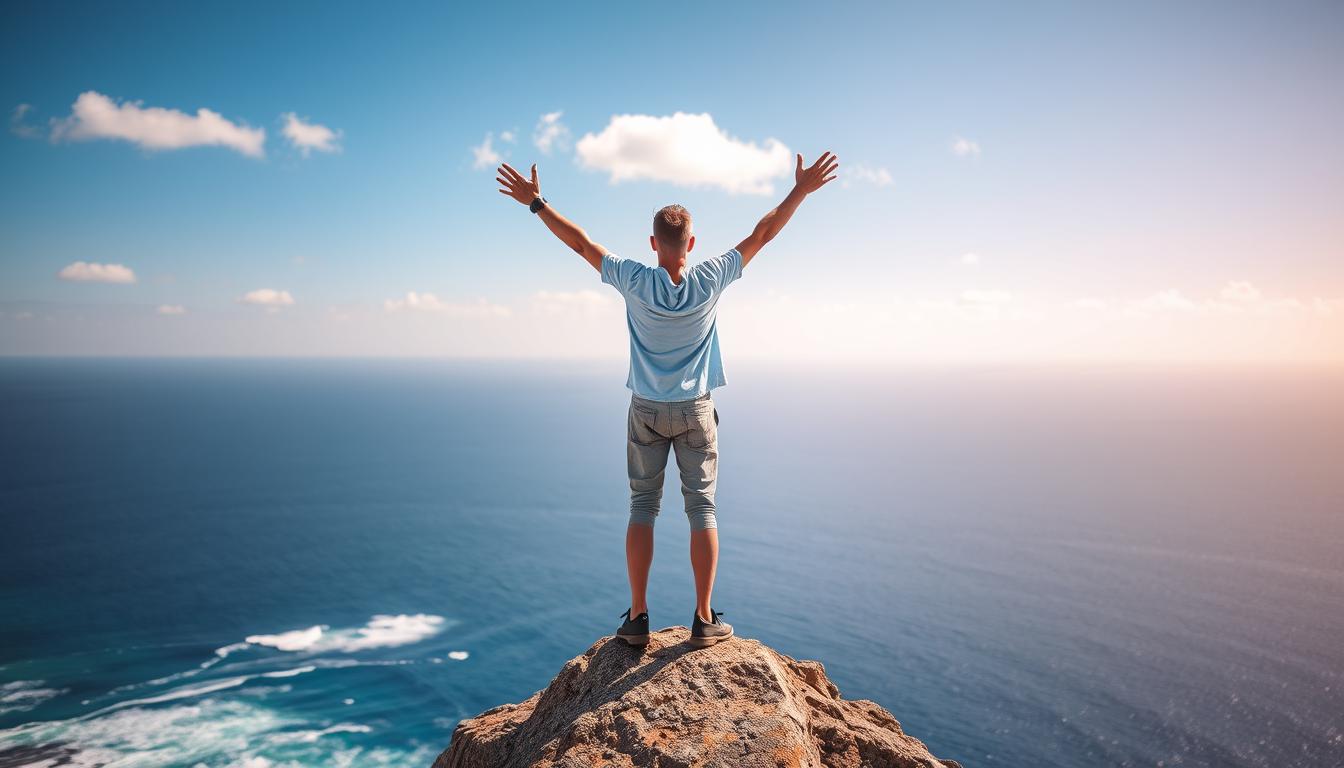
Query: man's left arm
point(526, 190)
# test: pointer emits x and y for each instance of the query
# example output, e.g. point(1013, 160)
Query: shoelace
point(626, 615)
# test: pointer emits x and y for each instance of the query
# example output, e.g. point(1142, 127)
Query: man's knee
point(702, 516)
point(644, 505)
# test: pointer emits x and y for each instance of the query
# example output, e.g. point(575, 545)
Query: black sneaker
point(703, 634)
point(634, 631)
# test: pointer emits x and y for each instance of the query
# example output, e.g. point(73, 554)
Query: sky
point(1054, 182)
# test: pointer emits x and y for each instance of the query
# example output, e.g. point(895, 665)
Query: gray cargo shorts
point(691, 427)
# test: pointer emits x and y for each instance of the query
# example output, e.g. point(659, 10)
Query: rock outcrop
point(736, 703)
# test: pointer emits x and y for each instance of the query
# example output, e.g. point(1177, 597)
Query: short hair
point(672, 225)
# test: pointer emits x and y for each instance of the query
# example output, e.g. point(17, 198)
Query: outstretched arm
point(806, 181)
point(525, 191)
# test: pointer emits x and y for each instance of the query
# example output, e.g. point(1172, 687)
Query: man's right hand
point(809, 180)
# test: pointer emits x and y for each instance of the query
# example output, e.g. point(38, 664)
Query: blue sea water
point(273, 563)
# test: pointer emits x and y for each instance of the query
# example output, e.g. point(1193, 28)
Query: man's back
point(674, 341)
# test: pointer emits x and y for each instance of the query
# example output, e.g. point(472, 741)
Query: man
point(674, 363)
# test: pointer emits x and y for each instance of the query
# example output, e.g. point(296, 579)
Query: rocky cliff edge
point(736, 703)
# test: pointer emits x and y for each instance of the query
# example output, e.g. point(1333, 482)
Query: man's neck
point(674, 270)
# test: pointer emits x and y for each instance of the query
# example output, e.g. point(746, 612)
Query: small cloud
point(880, 177)
point(986, 298)
point(306, 136)
point(24, 315)
point(267, 297)
point(550, 133)
point(428, 302)
point(95, 116)
point(1170, 300)
point(171, 309)
point(970, 259)
point(1240, 291)
point(89, 272)
point(684, 149)
point(582, 302)
point(963, 147)
point(17, 124)
point(508, 137)
point(485, 153)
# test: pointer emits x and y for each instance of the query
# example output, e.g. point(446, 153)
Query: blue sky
point(1144, 180)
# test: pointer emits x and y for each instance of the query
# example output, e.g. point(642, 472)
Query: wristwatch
point(537, 204)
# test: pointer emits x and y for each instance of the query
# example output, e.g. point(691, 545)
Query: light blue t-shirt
point(674, 344)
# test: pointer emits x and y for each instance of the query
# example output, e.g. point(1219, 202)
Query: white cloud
point(89, 272)
point(970, 259)
point(880, 177)
point(1169, 300)
point(963, 147)
point(986, 297)
point(550, 133)
point(428, 302)
point(684, 149)
point(267, 297)
point(507, 136)
point(17, 124)
point(1240, 291)
point(1235, 297)
point(171, 309)
point(584, 302)
point(95, 116)
point(485, 153)
point(308, 136)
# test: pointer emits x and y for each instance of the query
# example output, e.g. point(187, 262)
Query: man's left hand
point(517, 187)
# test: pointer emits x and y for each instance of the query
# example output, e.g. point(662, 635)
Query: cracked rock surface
point(668, 705)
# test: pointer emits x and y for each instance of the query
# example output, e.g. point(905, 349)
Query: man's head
point(672, 238)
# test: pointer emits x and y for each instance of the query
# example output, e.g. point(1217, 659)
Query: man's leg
point(697, 451)
point(704, 561)
point(646, 462)
point(638, 560)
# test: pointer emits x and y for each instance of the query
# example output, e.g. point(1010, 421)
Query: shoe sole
point(705, 642)
point(635, 639)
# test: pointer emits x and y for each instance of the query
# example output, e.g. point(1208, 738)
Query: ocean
point(272, 563)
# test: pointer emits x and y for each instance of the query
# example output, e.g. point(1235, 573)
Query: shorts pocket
point(702, 426)
point(641, 426)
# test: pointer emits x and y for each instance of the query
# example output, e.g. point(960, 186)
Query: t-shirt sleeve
point(723, 269)
point(618, 272)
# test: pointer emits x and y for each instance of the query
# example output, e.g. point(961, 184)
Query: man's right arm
point(806, 181)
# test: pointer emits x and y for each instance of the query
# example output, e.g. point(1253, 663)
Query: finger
point(512, 174)
point(828, 178)
point(833, 165)
point(800, 161)
point(534, 173)
point(821, 159)
point(505, 183)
